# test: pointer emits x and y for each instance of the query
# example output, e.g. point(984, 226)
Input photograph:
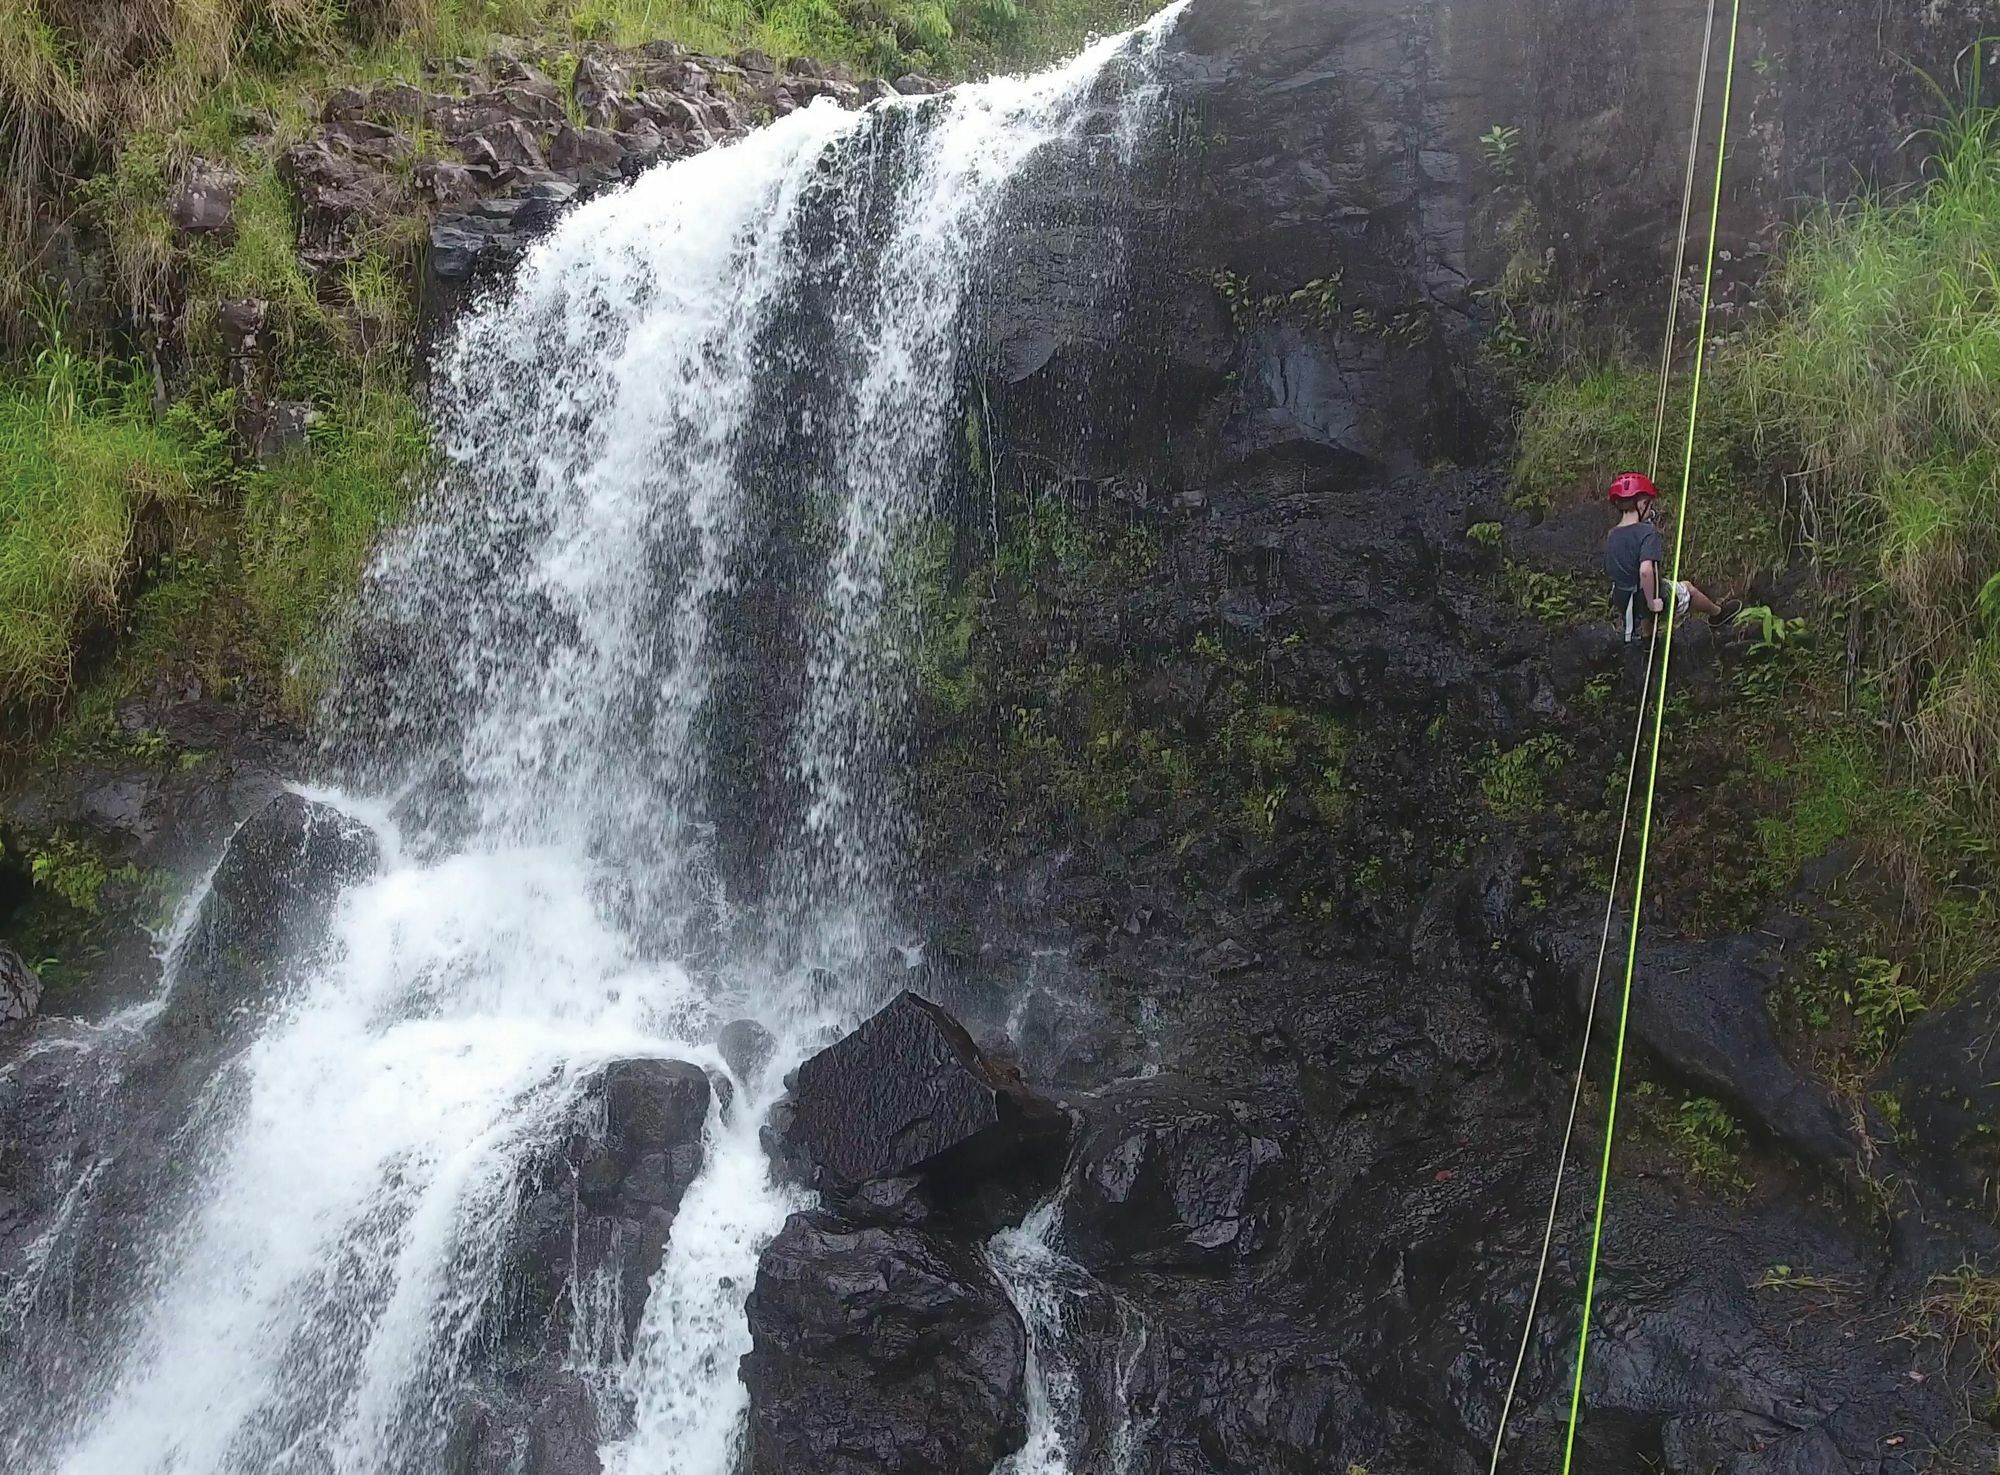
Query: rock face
point(591, 1231)
point(881, 1352)
point(909, 1094)
point(20, 987)
point(1173, 1178)
point(269, 902)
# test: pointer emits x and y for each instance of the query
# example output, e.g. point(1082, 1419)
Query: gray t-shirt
point(1624, 551)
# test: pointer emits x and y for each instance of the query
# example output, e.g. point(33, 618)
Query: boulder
point(909, 1094)
point(575, 150)
point(338, 197)
point(746, 1048)
point(1945, 1079)
point(605, 1201)
point(598, 84)
point(269, 902)
point(203, 201)
point(1698, 1010)
point(1172, 1176)
point(880, 1351)
point(507, 143)
point(20, 987)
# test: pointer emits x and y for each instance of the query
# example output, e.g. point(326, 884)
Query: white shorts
point(1636, 611)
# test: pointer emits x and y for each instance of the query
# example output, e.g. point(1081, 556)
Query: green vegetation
point(1515, 782)
point(1880, 379)
point(87, 481)
point(1500, 146)
point(1700, 1132)
point(1850, 438)
point(1963, 1310)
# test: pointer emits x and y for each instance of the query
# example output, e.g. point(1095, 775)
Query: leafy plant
point(1883, 1003)
point(72, 869)
point(1516, 781)
point(1485, 534)
point(1712, 1140)
point(1500, 146)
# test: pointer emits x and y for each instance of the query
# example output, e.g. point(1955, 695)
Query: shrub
point(84, 474)
point(1880, 377)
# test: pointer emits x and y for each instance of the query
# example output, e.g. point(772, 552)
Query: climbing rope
point(1638, 735)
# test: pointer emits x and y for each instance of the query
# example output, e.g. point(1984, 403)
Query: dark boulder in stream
point(909, 1094)
point(269, 904)
point(881, 1352)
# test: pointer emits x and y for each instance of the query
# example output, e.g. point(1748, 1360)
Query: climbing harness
point(1663, 655)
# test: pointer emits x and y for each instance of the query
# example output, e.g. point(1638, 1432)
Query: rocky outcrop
point(599, 1212)
point(909, 1095)
point(591, 1230)
point(20, 987)
point(1701, 1010)
point(1173, 1177)
point(1945, 1081)
point(881, 1351)
point(269, 903)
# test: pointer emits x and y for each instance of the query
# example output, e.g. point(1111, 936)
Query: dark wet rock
point(508, 144)
point(746, 1048)
point(596, 87)
point(915, 84)
point(1168, 1176)
point(203, 200)
point(283, 431)
point(20, 987)
point(270, 901)
point(880, 1351)
point(1698, 1009)
point(1946, 1081)
point(575, 150)
point(339, 198)
point(546, 1425)
point(909, 1094)
point(602, 1206)
point(890, 1203)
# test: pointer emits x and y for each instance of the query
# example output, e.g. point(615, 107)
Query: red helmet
point(1633, 484)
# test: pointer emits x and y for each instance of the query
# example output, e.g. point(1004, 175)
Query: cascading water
point(649, 612)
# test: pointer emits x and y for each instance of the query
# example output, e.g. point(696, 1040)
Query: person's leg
point(1700, 602)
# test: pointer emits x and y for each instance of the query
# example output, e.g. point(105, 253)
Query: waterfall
point(1073, 1426)
point(633, 760)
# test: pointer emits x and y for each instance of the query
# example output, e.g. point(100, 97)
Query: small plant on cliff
point(71, 869)
point(1963, 1309)
point(1516, 781)
point(1500, 146)
point(1712, 1141)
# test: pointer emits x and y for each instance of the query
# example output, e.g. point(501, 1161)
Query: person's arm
point(1649, 580)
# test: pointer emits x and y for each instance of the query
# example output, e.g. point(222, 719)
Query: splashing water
point(685, 451)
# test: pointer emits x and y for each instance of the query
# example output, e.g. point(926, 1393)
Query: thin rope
point(1659, 728)
point(1632, 764)
point(1674, 287)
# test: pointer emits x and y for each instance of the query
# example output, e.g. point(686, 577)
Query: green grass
point(1880, 380)
point(309, 523)
point(86, 479)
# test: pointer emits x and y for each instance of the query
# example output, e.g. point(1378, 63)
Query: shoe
point(1726, 615)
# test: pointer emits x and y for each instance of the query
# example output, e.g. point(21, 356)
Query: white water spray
point(768, 331)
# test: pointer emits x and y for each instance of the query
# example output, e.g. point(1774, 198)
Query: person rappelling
point(1632, 557)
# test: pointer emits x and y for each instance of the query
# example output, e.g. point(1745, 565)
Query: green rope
point(1659, 726)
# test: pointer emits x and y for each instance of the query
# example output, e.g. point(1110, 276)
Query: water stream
point(634, 767)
